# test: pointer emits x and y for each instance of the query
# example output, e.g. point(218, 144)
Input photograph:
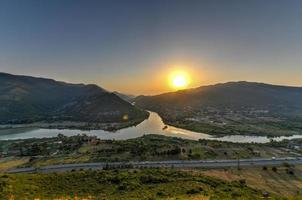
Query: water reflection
point(153, 125)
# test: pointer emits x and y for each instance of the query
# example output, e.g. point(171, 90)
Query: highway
point(162, 164)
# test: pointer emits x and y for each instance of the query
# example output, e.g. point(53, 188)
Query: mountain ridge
point(211, 109)
point(224, 83)
point(25, 99)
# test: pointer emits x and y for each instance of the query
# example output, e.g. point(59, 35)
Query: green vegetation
point(240, 108)
point(82, 148)
point(287, 127)
point(282, 180)
point(25, 100)
point(131, 184)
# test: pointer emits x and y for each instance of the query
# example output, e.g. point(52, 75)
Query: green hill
point(25, 99)
point(116, 184)
point(231, 108)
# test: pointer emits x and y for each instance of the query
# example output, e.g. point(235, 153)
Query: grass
point(9, 163)
point(81, 149)
point(237, 128)
point(58, 160)
point(131, 184)
point(279, 182)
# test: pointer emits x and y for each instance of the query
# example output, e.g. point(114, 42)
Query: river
point(152, 125)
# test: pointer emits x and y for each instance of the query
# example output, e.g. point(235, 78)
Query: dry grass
point(279, 182)
point(194, 197)
point(12, 163)
point(61, 160)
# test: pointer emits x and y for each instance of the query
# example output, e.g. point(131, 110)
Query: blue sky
point(131, 45)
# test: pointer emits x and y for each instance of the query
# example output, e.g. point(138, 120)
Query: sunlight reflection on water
point(152, 125)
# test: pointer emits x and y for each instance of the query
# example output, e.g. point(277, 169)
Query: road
point(163, 164)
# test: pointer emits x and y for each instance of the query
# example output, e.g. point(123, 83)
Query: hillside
point(143, 184)
point(25, 99)
point(126, 97)
point(231, 108)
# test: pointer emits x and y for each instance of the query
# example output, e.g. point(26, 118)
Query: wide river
point(152, 125)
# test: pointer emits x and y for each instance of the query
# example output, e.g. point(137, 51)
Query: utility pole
point(238, 162)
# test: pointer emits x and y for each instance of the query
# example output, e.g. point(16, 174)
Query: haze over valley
point(150, 100)
point(231, 108)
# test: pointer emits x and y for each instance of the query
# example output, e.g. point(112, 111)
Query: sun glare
point(179, 80)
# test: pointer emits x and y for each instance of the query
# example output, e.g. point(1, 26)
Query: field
point(286, 180)
point(219, 126)
point(10, 162)
point(131, 184)
point(81, 149)
point(282, 182)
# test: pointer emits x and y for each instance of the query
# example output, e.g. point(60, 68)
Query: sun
point(179, 80)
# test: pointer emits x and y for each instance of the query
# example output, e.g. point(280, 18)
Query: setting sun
point(179, 80)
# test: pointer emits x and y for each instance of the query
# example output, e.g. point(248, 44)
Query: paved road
point(163, 164)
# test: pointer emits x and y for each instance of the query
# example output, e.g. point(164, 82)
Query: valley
point(234, 108)
point(150, 100)
point(129, 170)
point(204, 143)
point(89, 149)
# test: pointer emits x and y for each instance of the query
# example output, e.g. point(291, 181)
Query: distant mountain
point(126, 97)
point(25, 99)
point(229, 104)
point(232, 95)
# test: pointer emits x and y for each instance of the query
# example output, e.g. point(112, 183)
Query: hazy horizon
point(132, 47)
point(190, 87)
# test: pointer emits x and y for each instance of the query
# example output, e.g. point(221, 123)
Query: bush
point(161, 193)
point(242, 182)
point(290, 171)
point(274, 169)
point(149, 179)
point(193, 191)
point(286, 164)
point(122, 187)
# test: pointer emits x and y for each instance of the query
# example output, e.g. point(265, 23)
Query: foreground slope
point(231, 108)
point(123, 184)
point(25, 99)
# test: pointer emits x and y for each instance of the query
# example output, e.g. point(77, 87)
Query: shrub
point(286, 164)
point(193, 191)
point(242, 182)
point(122, 187)
point(290, 171)
point(160, 193)
point(274, 169)
point(149, 179)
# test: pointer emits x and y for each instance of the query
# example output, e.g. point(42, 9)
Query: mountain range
point(25, 99)
point(231, 108)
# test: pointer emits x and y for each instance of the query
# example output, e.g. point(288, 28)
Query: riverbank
point(71, 125)
point(216, 161)
point(243, 128)
point(85, 149)
point(152, 125)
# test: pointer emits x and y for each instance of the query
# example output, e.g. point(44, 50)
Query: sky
point(132, 46)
